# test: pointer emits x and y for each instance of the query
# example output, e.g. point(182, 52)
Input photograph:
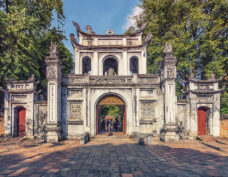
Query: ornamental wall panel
point(147, 110)
point(75, 111)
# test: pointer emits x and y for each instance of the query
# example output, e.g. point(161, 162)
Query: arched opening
point(20, 121)
point(134, 64)
point(110, 67)
point(203, 121)
point(86, 65)
point(111, 109)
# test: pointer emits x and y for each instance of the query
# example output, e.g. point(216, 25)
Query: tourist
point(109, 127)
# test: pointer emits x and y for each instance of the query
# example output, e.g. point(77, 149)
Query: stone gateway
point(112, 70)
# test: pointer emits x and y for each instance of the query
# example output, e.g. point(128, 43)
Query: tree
point(224, 102)
point(197, 30)
point(111, 110)
point(26, 34)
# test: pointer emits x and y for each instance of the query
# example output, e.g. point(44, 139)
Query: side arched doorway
point(118, 122)
point(20, 121)
point(203, 127)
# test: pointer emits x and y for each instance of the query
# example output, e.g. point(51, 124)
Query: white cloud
point(131, 20)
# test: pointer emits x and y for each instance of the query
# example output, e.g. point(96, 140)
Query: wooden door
point(202, 121)
point(21, 122)
point(124, 121)
point(97, 119)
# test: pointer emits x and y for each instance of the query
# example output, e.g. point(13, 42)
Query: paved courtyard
point(113, 156)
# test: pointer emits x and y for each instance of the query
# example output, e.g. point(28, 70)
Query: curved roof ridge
point(79, 30)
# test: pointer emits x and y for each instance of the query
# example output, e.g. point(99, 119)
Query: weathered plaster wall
point(40, 119)
point(224, 126)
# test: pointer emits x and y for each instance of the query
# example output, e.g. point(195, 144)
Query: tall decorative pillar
point(54, 79)
point(168, 84)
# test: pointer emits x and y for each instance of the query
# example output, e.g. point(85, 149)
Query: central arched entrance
point(113, 109)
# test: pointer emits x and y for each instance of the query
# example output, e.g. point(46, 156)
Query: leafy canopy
point(111, 110)
point(26, 34)
point(197, 30)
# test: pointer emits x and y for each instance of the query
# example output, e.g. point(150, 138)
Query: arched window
point(86, 65)
point(134, 64)
point(110, 67)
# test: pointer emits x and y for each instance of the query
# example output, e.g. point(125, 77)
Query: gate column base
point(171, 133)
point(53, 133)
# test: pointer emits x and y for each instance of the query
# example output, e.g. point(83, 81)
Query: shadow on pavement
point(112, 160)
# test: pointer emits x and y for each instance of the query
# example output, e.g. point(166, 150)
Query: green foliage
point(26, 34)
point(111, 110)
point(197, 30)
point(128, 32)
point(224, 102)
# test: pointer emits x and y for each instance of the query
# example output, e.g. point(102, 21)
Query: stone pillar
point(54, 79)
point(216, 115)
point(7, 124)
point(168, 78)
point(143, 63)
point(123, 68)
point(95, 63)
point(77, 62)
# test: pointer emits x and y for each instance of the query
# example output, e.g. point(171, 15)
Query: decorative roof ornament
point(54, 52)
point(89, 29)
point(192, 76)
point(143, 27)
point(77, 26)
point(168, 48)
point(213, 76)
point(53, 48)
point(132, 29)
point(109, 32)
point(73, 38)
point(148, 38)
point(31, 78)
point(168, 57)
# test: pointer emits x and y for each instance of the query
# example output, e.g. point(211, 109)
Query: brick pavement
point(113, 156)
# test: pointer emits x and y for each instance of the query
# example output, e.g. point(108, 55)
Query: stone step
point(109, 138)
point(114, 139)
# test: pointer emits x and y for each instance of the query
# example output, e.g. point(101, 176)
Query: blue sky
point(100, 14)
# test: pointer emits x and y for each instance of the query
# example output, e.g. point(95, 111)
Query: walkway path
point(113, 156)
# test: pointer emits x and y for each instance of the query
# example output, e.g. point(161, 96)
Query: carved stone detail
point(149, 80)
point(147, 110)
point(75, 111)
point(75, 93)
point(52, 98)
point(170, 73)
point(107, 81)
point(205, 87)
point(168, 48)
point(51, 73)
point(73, 80)
point(20, 98)
point(111, 100)
point(205, 98)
